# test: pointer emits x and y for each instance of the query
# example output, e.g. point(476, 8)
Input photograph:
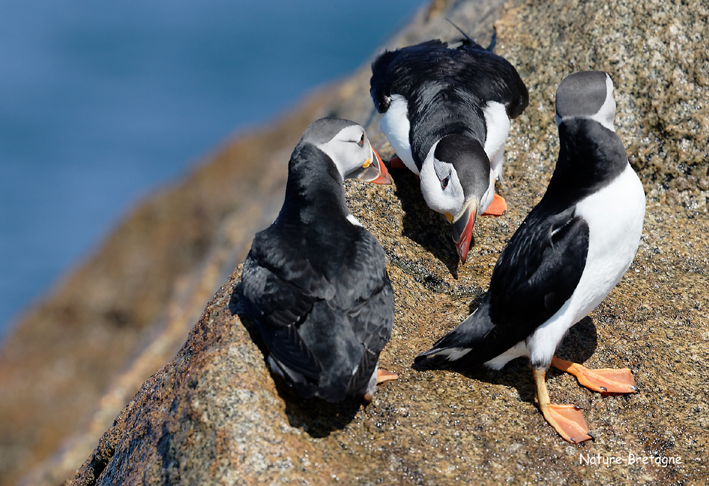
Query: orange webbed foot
point(383, 376)
point(568, 421)
point(497, 207)
point(606, 380)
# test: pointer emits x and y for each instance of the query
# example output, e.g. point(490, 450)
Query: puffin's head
point(381, 100)
point(586, 94)
point(347, 145)
point(455, 181)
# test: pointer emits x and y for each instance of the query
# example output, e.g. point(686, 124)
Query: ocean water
point(102, 102)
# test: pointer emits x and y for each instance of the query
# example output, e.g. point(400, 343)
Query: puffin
point(315, 281)
point(447, 108)
point(564, 259)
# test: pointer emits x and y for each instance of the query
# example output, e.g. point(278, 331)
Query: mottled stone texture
point(76, 359)
point(656, 53)
point(214, 414)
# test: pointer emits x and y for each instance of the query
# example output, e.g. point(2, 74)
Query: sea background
point(103, 102)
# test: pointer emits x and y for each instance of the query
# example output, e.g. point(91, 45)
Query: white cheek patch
point(451, 199)
point(347, 155)
point(607, 112)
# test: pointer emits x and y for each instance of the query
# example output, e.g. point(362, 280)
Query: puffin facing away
point(315, 281)
point(567, 255)
point(447, 110)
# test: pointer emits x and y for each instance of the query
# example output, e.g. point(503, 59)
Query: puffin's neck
point(314, 189)
point(590, 158)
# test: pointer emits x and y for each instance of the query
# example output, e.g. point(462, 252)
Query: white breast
point(498, 127)
point(353, 220)
point(395, 125)
point(615, 219)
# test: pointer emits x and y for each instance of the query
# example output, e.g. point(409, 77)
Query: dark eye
point(361, 141)
point(444, 182)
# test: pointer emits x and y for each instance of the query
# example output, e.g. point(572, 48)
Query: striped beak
point(463, 229)
point(373, 170)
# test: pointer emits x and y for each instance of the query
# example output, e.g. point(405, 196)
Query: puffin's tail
point(493, 41)
point(489, 48)
point(459, 346)
point(462, 32)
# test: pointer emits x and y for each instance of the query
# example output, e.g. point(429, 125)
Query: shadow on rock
point(580, 342)
point(316, 417)
point(578, 346)
point(476, 302)
point(423, 225)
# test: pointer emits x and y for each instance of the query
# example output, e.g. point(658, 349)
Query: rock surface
point(214, 414)
point(75, 361)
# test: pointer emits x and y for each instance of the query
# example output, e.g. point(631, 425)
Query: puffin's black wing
point(492, 78)
point(391, 71)
point(536, 274)
point(538, 271)
point(279, 289)
point(468, 66)
point(364, 291)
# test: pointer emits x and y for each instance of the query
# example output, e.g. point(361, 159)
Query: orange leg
point(497, 207)
point(605, 380)
point(567, 420)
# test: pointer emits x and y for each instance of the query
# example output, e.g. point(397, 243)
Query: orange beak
point(377, 172)
point(463, 230)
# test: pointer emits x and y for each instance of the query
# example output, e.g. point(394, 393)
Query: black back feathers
point(316, 284)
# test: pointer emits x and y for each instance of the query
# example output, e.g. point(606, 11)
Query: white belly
point(615, 219)
point(395, 125)
point(498, 128)
point(489, 195)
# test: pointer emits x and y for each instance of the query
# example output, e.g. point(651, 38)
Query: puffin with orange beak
point(315, 281)
point(563, 260)
point(447, 109)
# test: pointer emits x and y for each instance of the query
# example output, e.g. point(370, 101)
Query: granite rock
point(75, 360)
point(214, 414)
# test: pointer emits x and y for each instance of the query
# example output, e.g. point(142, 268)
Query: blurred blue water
point(100, 102)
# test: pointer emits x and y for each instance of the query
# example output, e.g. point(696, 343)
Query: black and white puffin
point(564, 259)
point(315, 281)
point(447, 110)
